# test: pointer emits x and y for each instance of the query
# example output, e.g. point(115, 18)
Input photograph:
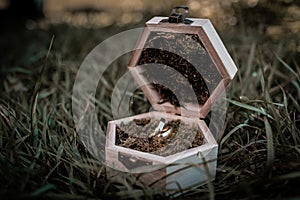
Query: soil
point(135, 135)
point(183, 53)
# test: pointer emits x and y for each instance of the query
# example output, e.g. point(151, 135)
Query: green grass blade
point(288, 67)
point(270, 144)
point(43, 189)
point(231, 132)
point(249, 107)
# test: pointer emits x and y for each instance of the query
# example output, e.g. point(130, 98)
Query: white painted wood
point(166, 166)
point(220, 48)
point(213, 37)
point(215, 48)
point(156, 20)
point(197, 157)
point(190, 172)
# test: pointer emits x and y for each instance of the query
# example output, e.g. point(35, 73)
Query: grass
point(42, 157)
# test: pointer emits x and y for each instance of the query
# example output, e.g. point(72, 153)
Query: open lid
point(181, 64)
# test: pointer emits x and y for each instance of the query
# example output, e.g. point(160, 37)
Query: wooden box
point(207, 69)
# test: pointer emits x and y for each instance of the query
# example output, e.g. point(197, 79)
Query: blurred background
point(27, 27)
point(278, 15)
point(274, 20)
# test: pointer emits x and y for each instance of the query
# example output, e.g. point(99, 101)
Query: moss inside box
point(186, 54)
point(135, 135)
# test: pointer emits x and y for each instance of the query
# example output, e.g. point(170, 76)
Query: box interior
point(178, 68)
point(186, 133)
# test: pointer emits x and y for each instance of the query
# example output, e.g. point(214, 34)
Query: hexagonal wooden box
point(161, 169)
point(168, 56)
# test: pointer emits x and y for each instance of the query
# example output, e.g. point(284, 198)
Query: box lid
point(182, 68)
